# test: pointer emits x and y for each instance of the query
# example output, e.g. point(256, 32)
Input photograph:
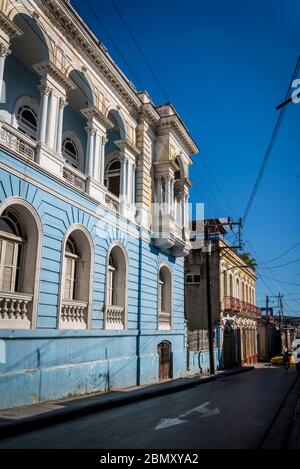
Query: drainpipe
point(139, 310)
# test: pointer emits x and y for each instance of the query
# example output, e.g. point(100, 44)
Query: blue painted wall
point(19, 81)
point(48, 363)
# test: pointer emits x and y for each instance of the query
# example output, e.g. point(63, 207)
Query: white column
point(4, 52)
point(45, 92)
point(62, 104)
point(129, 181)
point(123, 178)
point(133, 183)
point(102, 160)
point(97, 154)
point(90, 150)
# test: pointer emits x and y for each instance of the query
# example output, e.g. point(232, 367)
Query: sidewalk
point(294, 440)
point(29, 418)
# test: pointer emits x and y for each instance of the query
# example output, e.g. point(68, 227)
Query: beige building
point(234, 313)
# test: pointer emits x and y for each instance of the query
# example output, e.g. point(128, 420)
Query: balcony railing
point(14, 310)
point(114, 317)
point(14, 140)
point(238, 306)
point(73, 314)
point(112, 201)
point(75, 178)
point(164, 321)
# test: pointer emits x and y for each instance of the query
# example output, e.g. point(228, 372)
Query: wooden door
point(163, 350)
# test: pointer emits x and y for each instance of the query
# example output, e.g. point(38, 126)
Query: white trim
point(86, 233)
point(10, 201)
point(76, 141)
point(123, 249)
point(167, 266)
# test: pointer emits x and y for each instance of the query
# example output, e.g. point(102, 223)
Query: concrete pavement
point(232, 412)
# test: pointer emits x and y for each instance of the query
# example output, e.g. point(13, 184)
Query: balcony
point(164, 321)
point(73, 314)
point(114, 318)
point(112, 201)
point(74, 177)
point(14, 140)
point(238, 306)
point(14, 312)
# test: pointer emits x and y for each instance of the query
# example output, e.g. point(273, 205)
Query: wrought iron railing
point(238, 306)
point(75, 178)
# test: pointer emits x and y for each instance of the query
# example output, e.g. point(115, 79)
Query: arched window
point(11, 241)
point(164, 298)
point(112, 177)
point(71, 269)
point(111, 281)
point(76, 295)
point(27, 121)
point(243, 292)
point(20, 250)
point(224, 284)
point(230, 285)
point(237, 288)
point(116, 288)
point(70, 152)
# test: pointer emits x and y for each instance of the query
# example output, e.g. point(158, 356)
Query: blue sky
point(225, 65)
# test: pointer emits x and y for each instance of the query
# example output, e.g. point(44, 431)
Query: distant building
point(268, 337)
point(234, 313)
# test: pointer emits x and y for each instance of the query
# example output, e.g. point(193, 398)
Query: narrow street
point(232, 412)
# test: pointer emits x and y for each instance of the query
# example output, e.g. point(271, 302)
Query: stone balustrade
point(73, 314)
point(115, 317)
point(14, 310)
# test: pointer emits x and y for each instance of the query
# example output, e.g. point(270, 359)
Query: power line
point(283, 254)
point(139, 48)
point(279, 266)
point(270, 147)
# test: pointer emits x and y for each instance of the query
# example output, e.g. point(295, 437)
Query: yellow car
point(278, 359)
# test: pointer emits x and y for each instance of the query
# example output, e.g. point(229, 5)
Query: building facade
point(93, 215)
point(234, 314)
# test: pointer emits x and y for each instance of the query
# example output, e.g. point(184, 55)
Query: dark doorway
point(164, 353)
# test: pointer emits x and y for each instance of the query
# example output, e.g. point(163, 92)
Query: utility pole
point(208, 247)
point(280, 297)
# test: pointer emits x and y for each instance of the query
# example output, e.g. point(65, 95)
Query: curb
point(63, 415)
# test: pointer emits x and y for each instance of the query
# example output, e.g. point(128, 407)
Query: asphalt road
point(233, 412)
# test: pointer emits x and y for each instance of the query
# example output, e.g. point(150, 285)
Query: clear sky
point(225, 65)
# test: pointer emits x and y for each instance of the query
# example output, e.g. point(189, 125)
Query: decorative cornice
point(68, 21)
point(48, 68)
point(93, 112)
point(9, 27)
point(126, 143)
point(172, 122)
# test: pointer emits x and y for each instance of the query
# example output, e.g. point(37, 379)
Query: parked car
point(278, 359)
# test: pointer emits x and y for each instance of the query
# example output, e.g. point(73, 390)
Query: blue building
point(93, 215)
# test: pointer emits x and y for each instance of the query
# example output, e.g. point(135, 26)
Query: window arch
point(116, 288)
point(237, 288)
point(27, 121)
point(76, 280)
point(231, 285)
point(20, 251)
point(164, 296)
point(112, 177)
point(225, 284)
point(70, 151)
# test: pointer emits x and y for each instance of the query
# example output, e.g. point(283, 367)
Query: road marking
point(202, 409)
point(165, 423)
